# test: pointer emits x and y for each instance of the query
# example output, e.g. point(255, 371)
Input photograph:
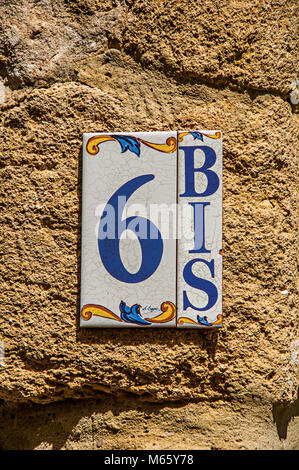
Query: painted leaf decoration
point(197, 135)
point(203, 321)
point(128, 143)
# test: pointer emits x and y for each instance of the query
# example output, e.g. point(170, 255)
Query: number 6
point(151, 246)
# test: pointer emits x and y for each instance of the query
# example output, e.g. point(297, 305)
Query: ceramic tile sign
point(199, 257)
point(129, 260)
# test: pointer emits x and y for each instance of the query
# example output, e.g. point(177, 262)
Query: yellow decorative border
point(167, 314)
point(182, 320)
point(198, 135)
point(129, 142)
point(98, 310)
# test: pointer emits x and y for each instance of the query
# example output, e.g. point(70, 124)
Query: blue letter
point(208, 287)
point(212, 177)
point(199, 227)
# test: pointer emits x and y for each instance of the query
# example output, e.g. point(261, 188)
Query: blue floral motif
point(128, 143)
point(203, 321)
point(197, 135)
point(131, 314)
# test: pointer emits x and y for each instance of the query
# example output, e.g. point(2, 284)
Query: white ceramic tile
point(199, 267)
point(128, 281)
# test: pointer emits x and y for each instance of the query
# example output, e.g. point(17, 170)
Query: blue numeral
point(151, 244)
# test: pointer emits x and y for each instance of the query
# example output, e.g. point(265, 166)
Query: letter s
point(208, 287)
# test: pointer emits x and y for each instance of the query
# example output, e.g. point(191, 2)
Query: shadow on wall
point(122, 421)
point(282, 415)
point(80, 423)
point(26, 427)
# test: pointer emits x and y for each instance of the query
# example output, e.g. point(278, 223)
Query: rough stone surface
point(77, 66)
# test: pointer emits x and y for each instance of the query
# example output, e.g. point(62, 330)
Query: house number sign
point(151, 252)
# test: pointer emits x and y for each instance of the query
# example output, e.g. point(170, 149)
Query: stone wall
point(68, 67)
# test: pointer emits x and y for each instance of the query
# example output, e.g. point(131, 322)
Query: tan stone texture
point(81, 65)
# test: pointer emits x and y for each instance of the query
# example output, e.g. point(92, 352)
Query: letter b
point(212, 177)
